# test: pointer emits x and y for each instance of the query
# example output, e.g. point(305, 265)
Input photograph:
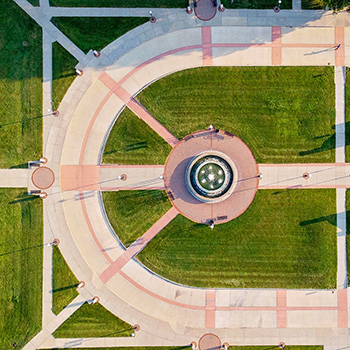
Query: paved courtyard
point(73, 177)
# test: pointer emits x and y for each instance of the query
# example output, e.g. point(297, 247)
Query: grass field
point(20, 87)
point(286, 239)
point(120, 3)
point(93, 321)
point(282, 121)
point(105, 29)
point(64, 283)
point(256, 4)
point(132, 141)
point(63, 73)
point(21, 246)
point(132, 213)
point(347, 116)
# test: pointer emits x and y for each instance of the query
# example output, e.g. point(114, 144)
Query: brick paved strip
point(138, 109)
point(281, 302)
point(138, 245)
point(276, 39)
point(342, 308)
point(207, 46)
point(210, 301)
point(339, 39)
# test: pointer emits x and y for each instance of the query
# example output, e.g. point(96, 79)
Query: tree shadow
point(329, 143)
point(332, 219)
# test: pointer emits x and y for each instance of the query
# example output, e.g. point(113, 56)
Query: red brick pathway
point(138, 245)
point(138, 109)
point(191, 146)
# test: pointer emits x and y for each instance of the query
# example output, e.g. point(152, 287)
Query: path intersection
point(73, 177)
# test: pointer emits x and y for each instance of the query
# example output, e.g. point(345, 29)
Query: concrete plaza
point(171, 314)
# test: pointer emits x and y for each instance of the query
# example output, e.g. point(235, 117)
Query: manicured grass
point(64, 283)
point(93, 321)
point(120, 3)
point(286, 239)
point(347, 116)
point(63, 73)
point(277, 111)
point(256, 4)
point(104, 29)
point(21, 246)
point(132, 141)
point(132, 213)
point(20, 87)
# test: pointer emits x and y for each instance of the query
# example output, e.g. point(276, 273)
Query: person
point(337, 47)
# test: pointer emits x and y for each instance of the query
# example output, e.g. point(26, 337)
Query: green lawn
point(277, 111)
point(132, 141)
point(20, 87)
point(93, 321)
point(64, 283)
point(286, 239)
point(347, 116)
point(120, 3)
point(132, 213)
point(256, 4)
point(63, 73)
point(21, 247)
point(105, 29)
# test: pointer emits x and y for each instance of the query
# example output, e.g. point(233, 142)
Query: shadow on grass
point(22, 250)
point(64, 288)
point(19, 166)
point(332, 219)
point(129, 148)
point(329, 143)
point(24, 121)
point(23, 198)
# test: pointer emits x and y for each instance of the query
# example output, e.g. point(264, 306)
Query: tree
point(336, 5)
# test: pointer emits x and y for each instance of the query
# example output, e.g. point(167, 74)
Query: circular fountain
point(211, 176)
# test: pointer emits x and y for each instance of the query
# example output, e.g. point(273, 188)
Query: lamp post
point(152, 19)
point(278, 7)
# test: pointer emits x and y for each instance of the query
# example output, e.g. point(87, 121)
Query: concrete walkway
point(296, 4)
point(171, 314)
point(14, 177)
point(50, 327)
point(301, 176)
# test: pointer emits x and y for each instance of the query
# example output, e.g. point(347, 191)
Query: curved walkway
point(171, 314)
